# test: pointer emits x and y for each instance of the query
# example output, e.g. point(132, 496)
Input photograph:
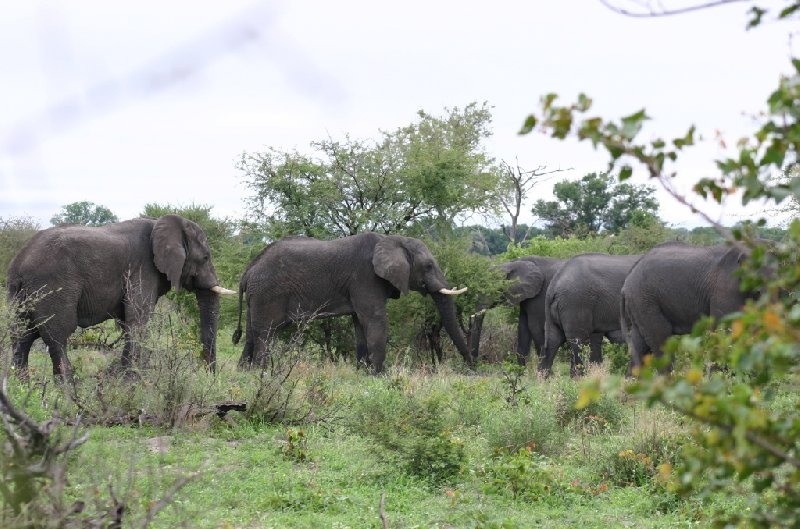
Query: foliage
point(593, 204)
point(494, 241)
point(430, 170)
point(86, 213)
point(522, 473)
point(415, 431)
point(605, 409)
point(743, 441)
point(560, 247)
point(14, 233)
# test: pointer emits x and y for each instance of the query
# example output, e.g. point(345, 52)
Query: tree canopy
point(431, 170)
point(595, 203)
point(87, 213)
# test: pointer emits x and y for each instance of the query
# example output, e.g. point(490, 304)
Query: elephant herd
point(640, 300)
point(70, 276)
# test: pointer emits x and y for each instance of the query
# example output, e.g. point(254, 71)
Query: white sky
point(153, 101)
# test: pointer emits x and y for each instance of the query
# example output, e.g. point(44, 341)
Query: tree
point(515, 185)
point(429, 171)
point(594, 203)
point(87, 213)
point(745, 437)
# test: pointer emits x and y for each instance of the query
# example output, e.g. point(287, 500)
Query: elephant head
point(408, 264)
point(526, 280)
point(726, 295)
point(181, 252)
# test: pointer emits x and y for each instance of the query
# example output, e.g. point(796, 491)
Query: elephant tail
point(237, 334)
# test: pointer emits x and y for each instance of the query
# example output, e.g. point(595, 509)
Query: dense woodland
point(308, 440)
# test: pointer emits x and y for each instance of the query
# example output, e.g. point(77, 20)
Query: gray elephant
point(530, 276)
point(304, 277)
point(71, 276)
point(671, 287)
point(582, 306)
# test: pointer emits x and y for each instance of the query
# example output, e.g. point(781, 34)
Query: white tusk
point(479, 313)
point(222, 291)
point(448, 292)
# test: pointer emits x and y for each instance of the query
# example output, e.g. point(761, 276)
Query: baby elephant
point(71, 276)
point(301, 277)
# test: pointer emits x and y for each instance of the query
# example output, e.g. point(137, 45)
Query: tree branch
point(651, 13)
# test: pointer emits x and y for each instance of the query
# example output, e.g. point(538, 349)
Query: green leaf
point(528, 126)
point(625, 172)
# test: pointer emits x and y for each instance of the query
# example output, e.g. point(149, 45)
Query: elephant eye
point(206, 257)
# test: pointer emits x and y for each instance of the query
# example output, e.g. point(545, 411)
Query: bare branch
point(167, 499)
point(384, 520)
point(652, 12)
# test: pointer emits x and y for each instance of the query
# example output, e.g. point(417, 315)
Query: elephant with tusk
point(354, 275)
point(71, 276)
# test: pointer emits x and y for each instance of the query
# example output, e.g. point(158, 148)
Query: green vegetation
point(87, 213)
point(322, 444)
point(595, 203)
point(444, 449)
point(743, 438)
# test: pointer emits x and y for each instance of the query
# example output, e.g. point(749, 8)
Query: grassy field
point(445, 449)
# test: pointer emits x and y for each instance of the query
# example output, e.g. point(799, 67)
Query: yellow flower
point(694, 376)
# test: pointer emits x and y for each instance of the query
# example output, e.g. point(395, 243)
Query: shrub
point(637, 462)
point(533, 425)
point(567, 392)
point(414, 430)
point(523, 473)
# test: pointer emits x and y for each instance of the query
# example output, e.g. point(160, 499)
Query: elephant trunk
point(208, 302)
point(447, 311)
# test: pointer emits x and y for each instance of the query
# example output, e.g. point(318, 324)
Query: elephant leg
point(576, 365)
point(55, 334)
point(536, 330)
point(654, 328)
point(362, 352)
point(554, 338)
point(596, 348)
point(22, 348)
point(246, 360)
point(638, 348)
point(523, 337)
point(375, 325)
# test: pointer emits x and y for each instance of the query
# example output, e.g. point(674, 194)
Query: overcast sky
point(154, 101)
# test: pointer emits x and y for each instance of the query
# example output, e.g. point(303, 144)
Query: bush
point(606, 407)
point(414, 430)
point(636, 463)
point(523, 473)
point(531, 426)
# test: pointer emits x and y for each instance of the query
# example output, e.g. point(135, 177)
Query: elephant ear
point(528, 278)
point(169, 248)
point(391, 262)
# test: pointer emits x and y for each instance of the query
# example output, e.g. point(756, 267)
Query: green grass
point(366, 437)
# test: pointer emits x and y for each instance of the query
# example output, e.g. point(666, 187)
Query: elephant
point(74, 275)
point(304, 277)
point(582, 305)
point(531, 276)
point(672, 287)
